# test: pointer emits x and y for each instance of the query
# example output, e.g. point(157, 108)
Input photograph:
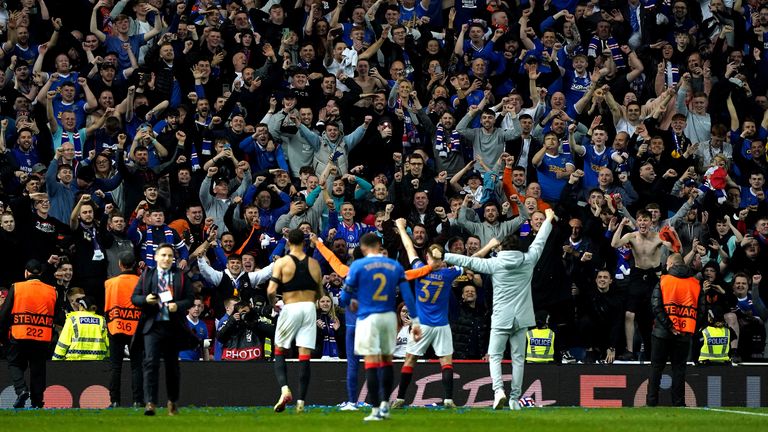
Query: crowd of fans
point(218, 125)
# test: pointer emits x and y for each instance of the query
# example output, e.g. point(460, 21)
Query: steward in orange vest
point(27, 317)
point(678, 305)
point(122, 322)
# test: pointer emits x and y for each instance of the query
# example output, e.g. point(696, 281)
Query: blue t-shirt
point(113, 43)
point(593, 163)
point(28, 55)
point(373, 282)
point(78, 107)
point(551, 186)
point(748, 198)
point(433, 293)
point(575, 87)
point(201, 331)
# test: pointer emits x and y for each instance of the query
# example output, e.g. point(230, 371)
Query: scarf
point(671, 73)
point(206, 147)
point(74, 138)
point(90, 234)
point(410, 134)
point(525, 229)
point(330, 348)
point(597, 45)
point(148, 250)
point(194, 159)
point(442, 147)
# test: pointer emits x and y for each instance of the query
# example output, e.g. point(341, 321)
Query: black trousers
point(676, 350)
point(117, 344)
point(32, 354)
point(159, 343)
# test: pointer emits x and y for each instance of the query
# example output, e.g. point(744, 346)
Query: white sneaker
point(449, 404)
point(347, 406)
point(514, 405)
point(373, 416)
point(384, 410)
point(398, 403)
point(299, 406)
point(499, 400)
point(285, 399)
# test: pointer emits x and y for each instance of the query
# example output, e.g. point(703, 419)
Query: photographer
point(247, 335)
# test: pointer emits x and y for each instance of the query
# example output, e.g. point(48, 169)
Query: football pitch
point(322, 419)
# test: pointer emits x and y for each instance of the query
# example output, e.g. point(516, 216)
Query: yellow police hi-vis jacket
point(541, 346)
point(716, 343)
point(84, 337)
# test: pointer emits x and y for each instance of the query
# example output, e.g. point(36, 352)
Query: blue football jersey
point(433, 292)
point(373, 281)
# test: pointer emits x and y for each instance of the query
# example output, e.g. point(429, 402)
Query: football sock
point(406, 375)
point(304, 376)
point(280, 370)
point(448, 381)
point(372, 380)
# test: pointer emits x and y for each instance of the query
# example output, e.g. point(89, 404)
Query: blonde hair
point(332, 311)
point(436, 252)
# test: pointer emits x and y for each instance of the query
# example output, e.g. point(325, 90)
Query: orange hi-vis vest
point(32, 314)
point(122, 315)
point(681, 301)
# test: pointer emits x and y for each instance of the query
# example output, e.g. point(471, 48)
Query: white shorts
point(376, 334)
point(297, 321)
point(440, 338)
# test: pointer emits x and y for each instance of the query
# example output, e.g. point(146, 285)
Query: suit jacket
point(515, 147)
point(183, 296)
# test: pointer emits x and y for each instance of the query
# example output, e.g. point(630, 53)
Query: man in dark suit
point(164, 295)
point(525, 146)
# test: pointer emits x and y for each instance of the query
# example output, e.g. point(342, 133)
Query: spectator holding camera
point(247, 333)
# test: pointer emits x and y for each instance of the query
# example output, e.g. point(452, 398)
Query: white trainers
point(285, 398)
point(499, 399)
point(449, 404)
point(299, 406)
point(398, 403)
point(374, 416)
point(514, 405)
point(347, 406)
point(384, 410)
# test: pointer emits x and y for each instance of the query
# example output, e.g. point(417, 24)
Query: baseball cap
point(34, 267)
point(38, 167)
point(475, 174)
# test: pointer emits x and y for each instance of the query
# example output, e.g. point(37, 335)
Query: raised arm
point(618, 240)
point(524, 38)
point(94, 26)
point(158, 26)
point(406, 239)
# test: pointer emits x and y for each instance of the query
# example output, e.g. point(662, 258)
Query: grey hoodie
point(511, 273)
point(325, 147)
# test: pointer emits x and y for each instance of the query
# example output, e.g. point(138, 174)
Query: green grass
point(322, 419)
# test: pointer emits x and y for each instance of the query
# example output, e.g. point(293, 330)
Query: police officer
point(122, 322)
point(541, 341)
point(84, 336)
point(715, 340)
point(28, 314)
point(677, 305)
